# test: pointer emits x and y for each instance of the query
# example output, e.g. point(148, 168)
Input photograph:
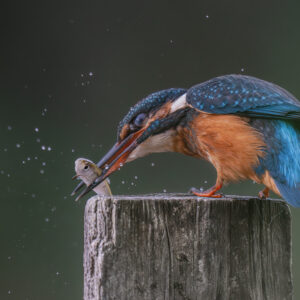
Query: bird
point(88, 171)
point(246, 127)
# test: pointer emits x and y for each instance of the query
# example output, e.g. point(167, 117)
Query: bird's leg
point(264, 194)
point(208, 193)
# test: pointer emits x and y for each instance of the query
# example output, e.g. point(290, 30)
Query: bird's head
point(148, 127)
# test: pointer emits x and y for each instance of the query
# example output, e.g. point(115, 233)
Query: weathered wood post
point(170, 246)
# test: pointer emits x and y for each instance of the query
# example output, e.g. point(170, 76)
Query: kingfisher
point(246, 127)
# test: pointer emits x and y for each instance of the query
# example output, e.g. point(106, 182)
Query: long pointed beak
point(112, 160)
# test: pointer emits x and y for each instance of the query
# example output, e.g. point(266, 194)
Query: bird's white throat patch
point(163, 142)
point(179, 103)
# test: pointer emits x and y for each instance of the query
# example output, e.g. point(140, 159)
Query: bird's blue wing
point(243, 95)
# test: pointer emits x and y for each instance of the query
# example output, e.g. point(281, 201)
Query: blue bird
point(246, 127)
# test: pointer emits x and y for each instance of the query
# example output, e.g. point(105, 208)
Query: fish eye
point(86, 167)
point(140, 118)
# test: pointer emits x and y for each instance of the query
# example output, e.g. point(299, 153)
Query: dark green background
point(132, 48)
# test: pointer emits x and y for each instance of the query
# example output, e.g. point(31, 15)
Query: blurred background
point(69, 73)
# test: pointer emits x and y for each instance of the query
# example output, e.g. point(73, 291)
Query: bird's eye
point(138, 121)
point(86, 167)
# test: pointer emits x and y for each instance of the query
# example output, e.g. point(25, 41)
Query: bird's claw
point(264, 194)
point(208, 193)
point(261, 195)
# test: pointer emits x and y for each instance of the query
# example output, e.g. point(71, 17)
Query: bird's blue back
point(244, 95)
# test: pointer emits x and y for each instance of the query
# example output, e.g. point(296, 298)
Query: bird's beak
point(112, 160)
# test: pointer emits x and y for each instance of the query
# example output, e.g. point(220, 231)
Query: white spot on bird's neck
point(179, 103)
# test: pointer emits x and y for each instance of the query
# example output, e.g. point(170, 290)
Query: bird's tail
point(290, 194)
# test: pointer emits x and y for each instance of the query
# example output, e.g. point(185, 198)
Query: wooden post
point(167, 246)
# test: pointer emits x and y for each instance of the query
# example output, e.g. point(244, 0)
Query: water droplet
point(9, 127)
point(18, 145)
point(8, 175)
point(81, 75)
point(2, 172)
point(73, 150)
point(84, 100)
point(132, 183)
point(47, 220)
point(123, 182)
point(23, 162)
point(207, 16)
point(91, 74)
point(9, 292)
point(35, 157)
point(152, 164)
point(57, 273)
point(36, 129)
point(121, 164)
point(164, 190)
point(38, 140)
point(43, 147)
point(43, 163)
point(5, 149)
point(135, 177)
point(9, 257)
point(33, 195)
point(205, 181)
point(42, 171)
point(53, 209)
point(242, 69)
point(49, 148)
point(28, 158)
point(106, 167)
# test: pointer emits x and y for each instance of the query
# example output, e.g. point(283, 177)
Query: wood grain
point(168, 246)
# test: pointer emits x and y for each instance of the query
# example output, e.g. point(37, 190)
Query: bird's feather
point(290, 194)
point(152, 101)
point(282, 159)
point(243, 95)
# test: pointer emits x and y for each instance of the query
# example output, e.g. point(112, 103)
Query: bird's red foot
point(208, 193)
point(264, 194)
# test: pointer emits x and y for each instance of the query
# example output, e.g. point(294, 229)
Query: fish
point(88, 171)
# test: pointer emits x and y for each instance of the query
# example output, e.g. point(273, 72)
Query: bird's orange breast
point(227, 141)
